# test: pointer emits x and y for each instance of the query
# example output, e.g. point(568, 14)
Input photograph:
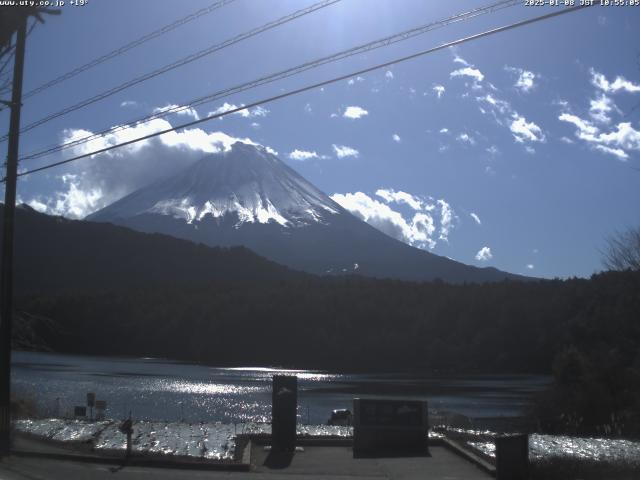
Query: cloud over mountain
point(91, 184)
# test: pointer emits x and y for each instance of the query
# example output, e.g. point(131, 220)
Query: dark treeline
point(352, 323)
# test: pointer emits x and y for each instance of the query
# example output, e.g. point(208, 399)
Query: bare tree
point(623, 250)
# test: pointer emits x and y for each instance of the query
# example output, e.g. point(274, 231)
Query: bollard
point(127, 428)
point(284, 413)
point(512, 457)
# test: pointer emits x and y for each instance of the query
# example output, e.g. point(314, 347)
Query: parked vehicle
point(341, 416)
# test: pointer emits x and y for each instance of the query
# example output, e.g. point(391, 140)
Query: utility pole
point(6, 279)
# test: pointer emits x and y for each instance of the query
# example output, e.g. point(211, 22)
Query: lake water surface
point(162, 390)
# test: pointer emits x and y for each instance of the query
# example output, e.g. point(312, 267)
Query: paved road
point(315, 463)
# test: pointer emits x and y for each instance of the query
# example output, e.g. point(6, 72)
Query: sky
point(519, 150)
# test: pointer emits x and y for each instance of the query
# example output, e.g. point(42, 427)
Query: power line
point(389, 40)
point(9, 57)
point(314, 86)
point(129, 46)
point(190, 58)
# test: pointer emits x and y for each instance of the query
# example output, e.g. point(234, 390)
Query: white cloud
point(501, 106)
point(439, 89)
point(493, 150)
point(617, 142)
point(465, 138)
point(530, 266)
point(484, 254)
point(308, 108)
point(530, 150)
point(525, 131)
point(92, 184)
point(458, 59)
point(625, 137)
point(389, 75)
point(225, 107)
point(444, 130)
point(75, 202)
point(471, 72)
point(129, 103)
point(37, 205)
point(258, 111)
point(505, 115)
point(396, 138)
point(525, 81)
point(447, 218)
point(342, 151)
point(390, 195)
point(179, 110)
point(585, 128)
point(245, 113)
point(620, 139)
point(620, 83)
point(416, 231)
point(352, 81)
point(618, 152)
point(601, 107)
point(476, 218)
point(566, 140)
point(354, 112)
point(302, 155)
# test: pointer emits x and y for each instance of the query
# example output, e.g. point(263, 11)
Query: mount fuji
point(247, 196)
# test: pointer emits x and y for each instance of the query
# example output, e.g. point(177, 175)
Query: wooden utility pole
point(6, 278)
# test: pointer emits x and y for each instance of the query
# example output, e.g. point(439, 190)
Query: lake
point(163, 390)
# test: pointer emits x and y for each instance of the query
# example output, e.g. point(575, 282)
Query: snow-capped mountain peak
point(246, 181)
point(247, 196)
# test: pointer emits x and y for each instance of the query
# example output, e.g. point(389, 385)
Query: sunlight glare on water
point(203, 388)
point(308, 375)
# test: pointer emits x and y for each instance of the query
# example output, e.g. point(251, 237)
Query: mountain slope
point(56, 254)
point(249, 197)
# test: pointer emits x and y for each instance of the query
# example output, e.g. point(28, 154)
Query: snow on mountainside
point(247, 181)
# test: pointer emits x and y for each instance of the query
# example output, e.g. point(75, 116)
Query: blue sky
point(519, 150)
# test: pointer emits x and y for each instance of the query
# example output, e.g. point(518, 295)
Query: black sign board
point(390, 413)
point(80, 411)
point(385, 426)
point(283, 414)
